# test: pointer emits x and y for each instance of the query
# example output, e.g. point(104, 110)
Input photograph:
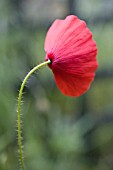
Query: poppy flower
point(72, 51)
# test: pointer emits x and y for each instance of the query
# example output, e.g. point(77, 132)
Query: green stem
point(19, 128)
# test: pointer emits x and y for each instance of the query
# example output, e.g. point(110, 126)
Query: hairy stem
point(19, 128)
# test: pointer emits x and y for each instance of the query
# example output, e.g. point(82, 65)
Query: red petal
point(73, 87)
point(70, 46)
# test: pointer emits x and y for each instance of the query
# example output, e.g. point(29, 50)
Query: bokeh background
point(60, 133)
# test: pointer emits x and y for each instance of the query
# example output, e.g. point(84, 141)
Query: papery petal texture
point(72, 51)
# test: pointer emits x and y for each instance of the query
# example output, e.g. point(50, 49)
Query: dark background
point(60, 133)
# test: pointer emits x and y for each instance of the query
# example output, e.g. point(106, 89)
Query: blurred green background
point(60, 133)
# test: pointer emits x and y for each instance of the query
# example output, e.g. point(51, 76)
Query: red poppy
point(72, 51)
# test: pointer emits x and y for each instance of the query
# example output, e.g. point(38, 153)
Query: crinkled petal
point(70, 86)
point(70, 47)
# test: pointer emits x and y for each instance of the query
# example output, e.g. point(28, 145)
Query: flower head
point(72, 51)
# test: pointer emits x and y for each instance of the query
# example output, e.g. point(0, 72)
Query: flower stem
point(19, 128)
